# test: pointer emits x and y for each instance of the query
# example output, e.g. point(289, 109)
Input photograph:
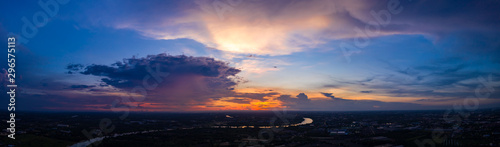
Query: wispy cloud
point(445, 79)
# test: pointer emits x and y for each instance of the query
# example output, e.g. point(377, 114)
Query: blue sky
point(257, 55)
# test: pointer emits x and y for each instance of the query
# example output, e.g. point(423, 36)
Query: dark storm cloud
point(131, 71)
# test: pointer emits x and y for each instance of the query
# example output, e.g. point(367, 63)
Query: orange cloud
point(254, 27)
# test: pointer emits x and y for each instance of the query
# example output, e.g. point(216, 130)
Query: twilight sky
point(205, 55)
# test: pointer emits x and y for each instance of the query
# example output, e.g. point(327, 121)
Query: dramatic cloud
point(170, 78)
point(237, 28)
point(167, 82)
point(281, 27)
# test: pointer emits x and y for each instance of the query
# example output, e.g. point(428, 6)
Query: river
point(88, 142)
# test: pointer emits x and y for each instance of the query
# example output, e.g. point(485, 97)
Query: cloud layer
point(302, 102)
point(283, 27)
